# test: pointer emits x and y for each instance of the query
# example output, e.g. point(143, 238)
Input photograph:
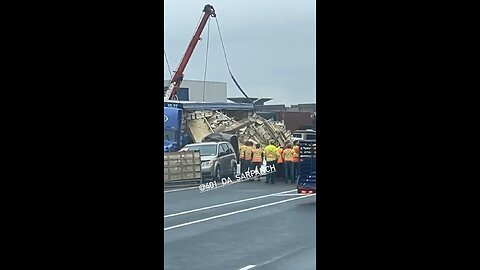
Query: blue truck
point(175, 134)
point(173, 137)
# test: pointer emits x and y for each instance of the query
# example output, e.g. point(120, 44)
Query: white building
point(199, 91)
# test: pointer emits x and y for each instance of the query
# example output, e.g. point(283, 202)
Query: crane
point(177, 78)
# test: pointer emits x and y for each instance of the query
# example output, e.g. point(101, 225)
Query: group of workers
point(284, 159)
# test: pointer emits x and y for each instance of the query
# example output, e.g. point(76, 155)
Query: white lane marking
point(180, 189)
point(224, 204)
point(249, 190)
point(284, 195)
point(281, 256)
point(235, 212)
point(247, 267)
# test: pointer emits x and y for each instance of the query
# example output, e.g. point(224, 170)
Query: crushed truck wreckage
point(254, 128)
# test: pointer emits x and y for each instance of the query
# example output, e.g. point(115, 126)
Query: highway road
point(249, 225)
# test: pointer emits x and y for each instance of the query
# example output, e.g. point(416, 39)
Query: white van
point(307, 134)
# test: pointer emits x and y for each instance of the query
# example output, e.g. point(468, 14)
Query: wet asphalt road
point(251, 225)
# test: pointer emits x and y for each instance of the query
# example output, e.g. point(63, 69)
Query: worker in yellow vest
point(288, 163)
point(296, 159)
point(257, 159)
point(241, 156)
point(248, 156)
point(280, 168)
point(271, 156)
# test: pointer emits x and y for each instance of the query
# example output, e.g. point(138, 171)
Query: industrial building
point(210, 91)
point(260, 105)
point(299, 116)
point(207, 91)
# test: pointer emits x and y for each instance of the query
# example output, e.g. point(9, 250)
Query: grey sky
point(270, 46)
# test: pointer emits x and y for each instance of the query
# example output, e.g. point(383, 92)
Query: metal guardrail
point(182, 169)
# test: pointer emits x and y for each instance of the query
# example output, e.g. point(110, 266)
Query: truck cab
point(172, 129)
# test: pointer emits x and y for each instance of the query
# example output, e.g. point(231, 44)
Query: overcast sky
point(270, 46)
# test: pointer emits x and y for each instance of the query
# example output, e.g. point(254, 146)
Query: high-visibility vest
point(296, 153)
point(248, 152)
point(257, 155)
point(288, 154)
point(271, 153)
point(280, 153)
point(242, 152)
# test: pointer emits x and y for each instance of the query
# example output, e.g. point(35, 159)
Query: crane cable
point(228, 66)
point(168, 65)
point(206, 62)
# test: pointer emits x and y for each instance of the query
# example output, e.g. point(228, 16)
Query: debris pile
point(252, 127)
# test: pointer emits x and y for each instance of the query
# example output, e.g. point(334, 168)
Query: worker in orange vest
point(248, 156)
point(281, 169)
point(257, 159)
point(288, 163)
point(296, 159)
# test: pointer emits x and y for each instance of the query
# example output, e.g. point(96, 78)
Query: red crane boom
point(209, 11)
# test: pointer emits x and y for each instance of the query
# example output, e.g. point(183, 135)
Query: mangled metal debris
point(253, 127)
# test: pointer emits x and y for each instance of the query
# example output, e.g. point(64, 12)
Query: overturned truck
point(253, 127)
point(191, 122)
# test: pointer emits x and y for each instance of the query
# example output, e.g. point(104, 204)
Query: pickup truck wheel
point(218, 175)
